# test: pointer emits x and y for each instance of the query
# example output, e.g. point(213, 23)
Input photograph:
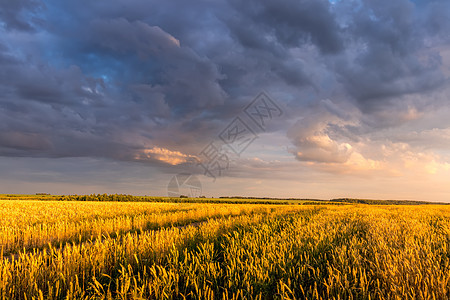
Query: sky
point(120, 96)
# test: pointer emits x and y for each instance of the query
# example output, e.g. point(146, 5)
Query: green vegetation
point(203, 199)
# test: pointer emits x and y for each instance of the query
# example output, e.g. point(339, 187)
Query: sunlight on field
point(114, 250)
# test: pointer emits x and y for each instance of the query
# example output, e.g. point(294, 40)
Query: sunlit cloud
point(165, 155)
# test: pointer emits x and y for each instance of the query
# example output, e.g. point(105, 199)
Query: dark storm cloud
point(20, 14)
point(111, 79)
point(187, 81)
point(387, 53)
point(291, 22)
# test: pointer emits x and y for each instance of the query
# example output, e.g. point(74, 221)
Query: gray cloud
point(319, 136)
point(387, 56)
point(290, 23)
point(94, 79)
point(20, 14)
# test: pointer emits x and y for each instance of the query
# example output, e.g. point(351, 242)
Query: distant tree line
point(202, 199)
point(131, 198)
point(384, 202)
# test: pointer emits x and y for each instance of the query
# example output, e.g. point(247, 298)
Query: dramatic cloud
point(311, 136)
point(21, 14)
point(167, 156)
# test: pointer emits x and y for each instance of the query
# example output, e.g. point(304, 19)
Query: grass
point(144, 250)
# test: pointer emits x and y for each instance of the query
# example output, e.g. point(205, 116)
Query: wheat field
point(136, 250)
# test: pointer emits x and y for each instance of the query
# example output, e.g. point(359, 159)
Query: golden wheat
point(239, 251)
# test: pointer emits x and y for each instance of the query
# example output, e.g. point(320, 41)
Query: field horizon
point(219, 199)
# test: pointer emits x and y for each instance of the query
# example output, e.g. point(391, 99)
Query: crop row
point(291, 252)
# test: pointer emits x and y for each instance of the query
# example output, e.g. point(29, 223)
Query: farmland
point(162, 250)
